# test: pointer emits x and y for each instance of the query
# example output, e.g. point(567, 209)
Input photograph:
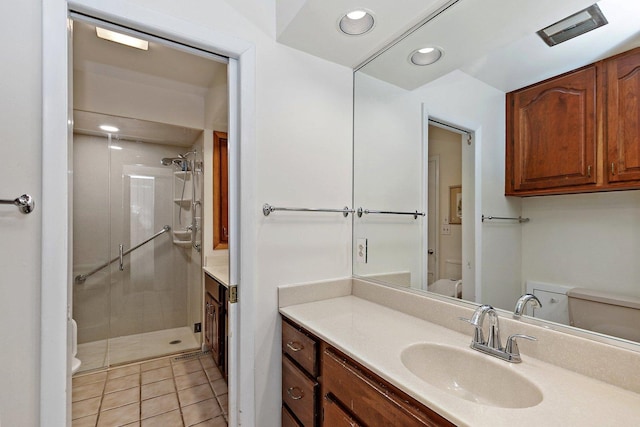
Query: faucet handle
point(478, 335)
point(511, 347)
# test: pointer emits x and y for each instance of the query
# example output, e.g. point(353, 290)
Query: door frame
point(56, 275)
point(436, 214)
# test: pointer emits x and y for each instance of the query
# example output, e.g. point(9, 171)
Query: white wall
point(20, 122)
point(388, 167)
point(464, 101)
point(460, 100)
point(121, 93)
point(584, 240)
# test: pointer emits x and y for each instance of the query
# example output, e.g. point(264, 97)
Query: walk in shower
point(137, 192)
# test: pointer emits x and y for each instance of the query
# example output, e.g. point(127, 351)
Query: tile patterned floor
point(164, 392)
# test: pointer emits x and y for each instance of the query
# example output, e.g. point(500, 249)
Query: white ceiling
point(161, 66)
point(312, 26)
point(88, 123)
point(492, 40)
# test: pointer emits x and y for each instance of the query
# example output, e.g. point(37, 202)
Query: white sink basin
point(470, 375)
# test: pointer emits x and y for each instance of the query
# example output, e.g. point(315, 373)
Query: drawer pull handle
point(299, 394)
point(294, 346)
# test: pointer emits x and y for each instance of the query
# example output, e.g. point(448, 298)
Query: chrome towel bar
point(25, 203)
point(415, 214)
point(491, 218)
point(267, 209)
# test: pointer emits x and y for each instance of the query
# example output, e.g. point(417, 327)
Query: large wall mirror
point(431, 139)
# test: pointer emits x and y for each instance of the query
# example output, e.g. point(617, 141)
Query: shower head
point(180, 162)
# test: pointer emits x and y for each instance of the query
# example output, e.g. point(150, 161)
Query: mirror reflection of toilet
point(451, 286)
point(605, 312)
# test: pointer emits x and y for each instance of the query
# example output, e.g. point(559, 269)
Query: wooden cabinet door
point(334, 416)
point(552, 132)
point(211, 325)
point(623, 117)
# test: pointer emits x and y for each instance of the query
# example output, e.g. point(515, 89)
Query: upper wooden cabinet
point(623, 117)
point(578, 132)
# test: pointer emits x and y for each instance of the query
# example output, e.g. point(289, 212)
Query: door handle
point(430, 251)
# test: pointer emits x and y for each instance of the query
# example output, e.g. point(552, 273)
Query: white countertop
point(375, 335)
point(218, 272)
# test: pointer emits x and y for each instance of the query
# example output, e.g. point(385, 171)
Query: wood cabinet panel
point(333, 415)
point(215, 321)
point(220, 190)
point(578, 132)
point(370, 399)
point(623, 117)
point(299, 393)
point(288, 420)
point(300, 347)
point(554, 132)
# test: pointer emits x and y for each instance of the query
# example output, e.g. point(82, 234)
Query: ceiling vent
point(573, 26)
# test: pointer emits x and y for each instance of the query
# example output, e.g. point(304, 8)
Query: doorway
point(445, 208)
point(137, 234)
point(55, 348)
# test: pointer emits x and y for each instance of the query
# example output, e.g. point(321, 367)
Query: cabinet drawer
point(288, 419)
point(334, 416)
point(300, 347)
point(374, 402)
point(298, 393)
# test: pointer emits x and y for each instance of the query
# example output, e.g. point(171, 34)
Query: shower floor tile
point(93, 355)
point(193, 394)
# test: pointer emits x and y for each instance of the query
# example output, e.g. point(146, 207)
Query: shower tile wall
point(151, 294)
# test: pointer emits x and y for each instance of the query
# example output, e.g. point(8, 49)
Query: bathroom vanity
point(347, 391)
point(374, 355)
point(216, 299)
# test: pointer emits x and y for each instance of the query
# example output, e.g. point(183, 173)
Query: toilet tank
point(452, 269)
point(605, 312)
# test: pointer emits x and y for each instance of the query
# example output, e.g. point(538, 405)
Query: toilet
point(75, 362)
point(605, 312)
point(451, 285)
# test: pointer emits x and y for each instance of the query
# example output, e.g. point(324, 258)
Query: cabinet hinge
point(233, 294)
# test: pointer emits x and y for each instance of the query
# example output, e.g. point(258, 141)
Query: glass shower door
point(149, 290)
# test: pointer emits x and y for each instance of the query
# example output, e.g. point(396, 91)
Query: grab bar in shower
point(25, 203)
point(414, 214)
point(80, 278)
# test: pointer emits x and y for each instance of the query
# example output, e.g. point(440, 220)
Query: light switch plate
point(446, 229)
point(361, 251)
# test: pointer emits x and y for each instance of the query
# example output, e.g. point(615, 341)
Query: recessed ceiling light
point(356, 22)
point(426, 55)
point(109, 128)
point(122, 39)
point(115, 147)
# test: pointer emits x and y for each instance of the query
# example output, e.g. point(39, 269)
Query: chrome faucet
point(521, 305)
point(493, 344)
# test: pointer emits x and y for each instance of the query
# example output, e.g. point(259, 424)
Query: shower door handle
point(121, 257)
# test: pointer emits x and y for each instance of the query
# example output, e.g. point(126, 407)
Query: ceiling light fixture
point(109, 128)
point(573, 26)
point(356, 22)
point(426, 55)
point(122, 39)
